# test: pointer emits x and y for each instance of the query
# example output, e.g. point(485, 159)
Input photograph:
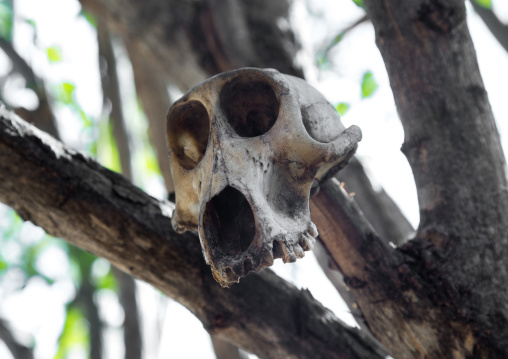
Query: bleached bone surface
point(245, 147)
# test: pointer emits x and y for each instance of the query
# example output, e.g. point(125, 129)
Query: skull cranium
point(245, 147)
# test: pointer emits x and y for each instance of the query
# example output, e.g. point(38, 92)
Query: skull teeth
point(313, 230)
point(267, 260)
point(289, 255)
point(299, 252)
point(307, 241)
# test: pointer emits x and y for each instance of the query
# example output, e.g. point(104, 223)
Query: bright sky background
point(38, 310)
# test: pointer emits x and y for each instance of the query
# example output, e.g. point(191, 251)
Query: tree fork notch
point(71, 196)
point(409, 306)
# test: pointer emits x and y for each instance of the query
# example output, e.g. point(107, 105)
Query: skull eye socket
point(251, 105)
point(229, 223)
point(188, 128)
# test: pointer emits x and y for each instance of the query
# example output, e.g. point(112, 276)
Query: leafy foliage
point(359, 3)
point(342, 108)
point(74, 333)
point(6, 20)
point(484, 3)
point(54, 54)
point(369, 84)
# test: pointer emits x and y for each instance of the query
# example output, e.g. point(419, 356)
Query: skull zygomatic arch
point(245, 147)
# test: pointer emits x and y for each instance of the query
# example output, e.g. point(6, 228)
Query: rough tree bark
point(458, 261)
point(71, 196)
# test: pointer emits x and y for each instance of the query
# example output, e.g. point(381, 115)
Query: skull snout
point(245, 147)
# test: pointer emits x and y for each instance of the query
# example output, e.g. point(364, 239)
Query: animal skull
point(245, 147)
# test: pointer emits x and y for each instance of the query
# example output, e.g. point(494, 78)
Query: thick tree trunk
point(460, 256)
point(72, 197)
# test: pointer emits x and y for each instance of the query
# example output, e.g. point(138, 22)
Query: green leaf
point(15, 224)
point(74, 333)
point(150, 160)
point(87, 121)
point(68, 90)
point(335, 41)
point(54, 54)
point(90, 18)
point(359, 3)
point(6, 21)
point(64, 92)
point(322, 60)
point(342, 108)
point(107, 150)
point(31, 22)
point(487, 4)
point(369, 84)
point(3, 265)
point(108, 282)
point(31, 255)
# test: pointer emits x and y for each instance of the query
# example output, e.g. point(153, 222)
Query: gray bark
point(460, 253)
point(225, 350)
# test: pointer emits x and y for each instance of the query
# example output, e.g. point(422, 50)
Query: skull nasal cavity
point(251, 105)
point(229, 223)
point(188, 128)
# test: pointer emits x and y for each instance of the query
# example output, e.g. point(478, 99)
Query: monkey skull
point(245, 147)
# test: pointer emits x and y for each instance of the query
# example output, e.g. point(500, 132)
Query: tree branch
point(131, 325)
point(153, 93)
point(496, 26)
point(17, 350)
point(71, 196)
point(111, 92)
point(42, 117)
point(225, 350)
point(127, 285)
point(380, 210)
